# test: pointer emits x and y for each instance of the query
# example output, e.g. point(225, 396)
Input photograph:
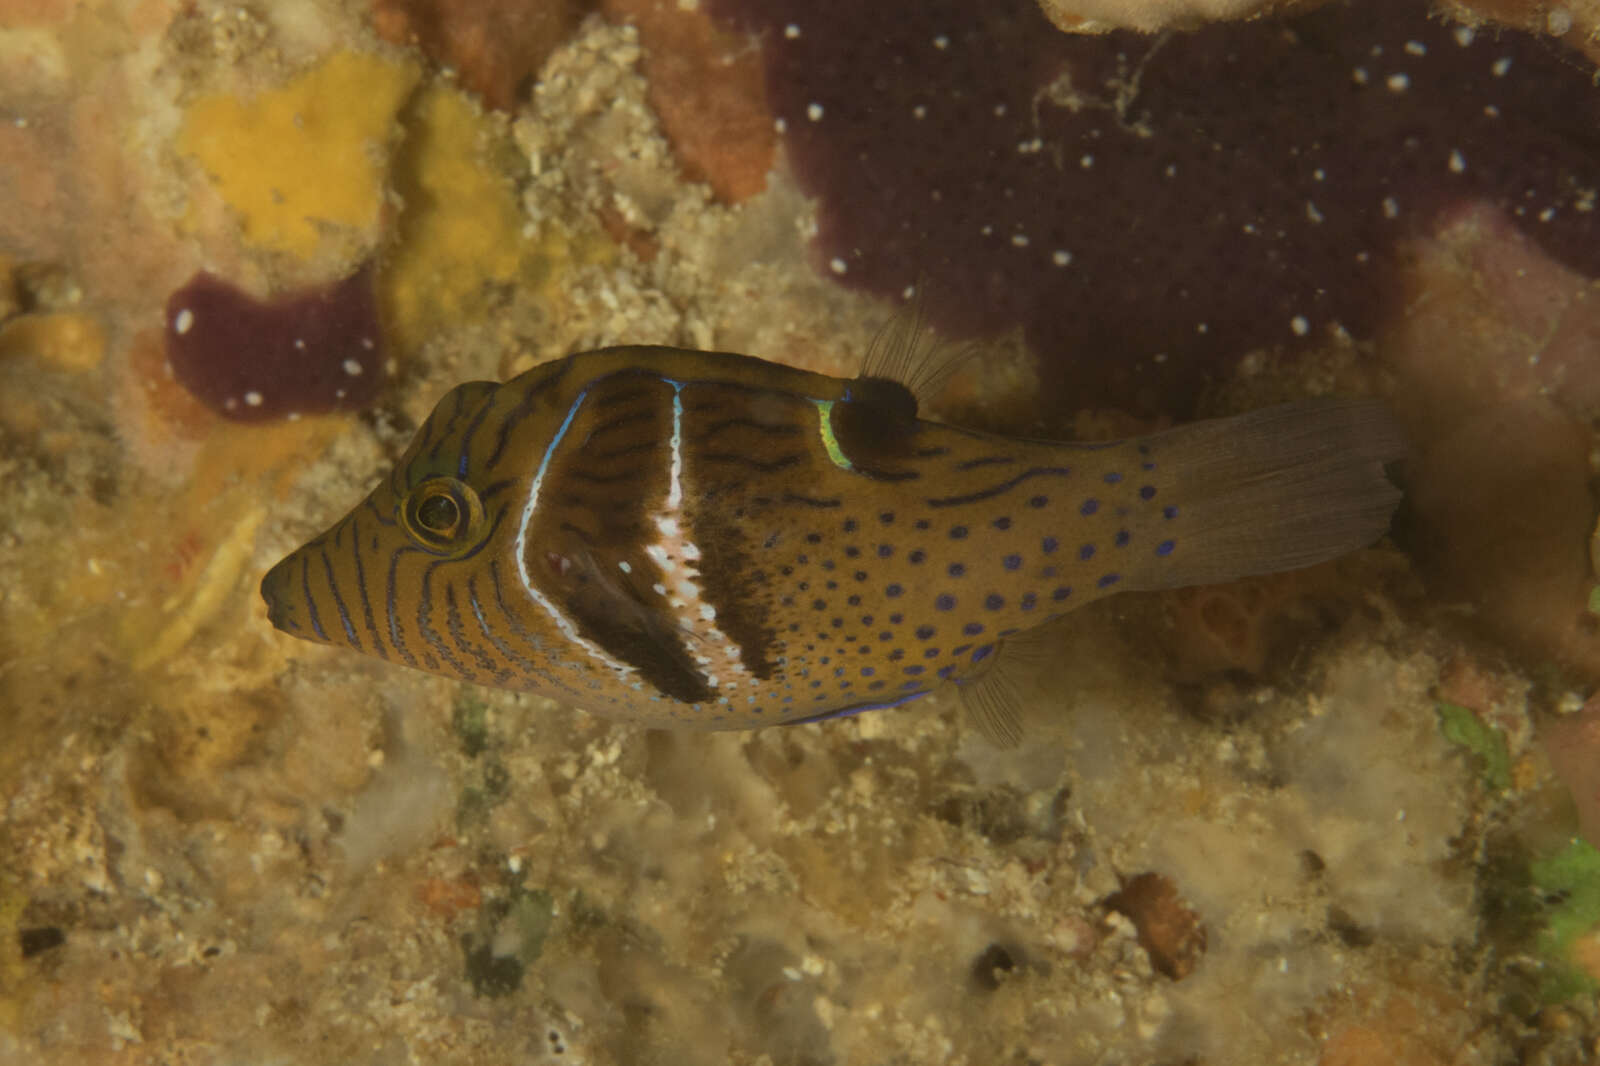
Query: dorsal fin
point(906, 350)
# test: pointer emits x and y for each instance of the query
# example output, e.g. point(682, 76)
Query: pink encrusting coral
point(306, 352)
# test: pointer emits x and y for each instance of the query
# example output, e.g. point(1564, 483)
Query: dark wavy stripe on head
point(391, 590)
point(433, 637)
point(338, 600)
point(311, 601)
point(532, 388)
point(480, 655)
point(442, 425)
point(464, 460)
point(530, 669)
point(367, 614)
point(377, 515)
point(534, 642)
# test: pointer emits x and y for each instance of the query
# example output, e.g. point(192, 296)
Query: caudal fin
point(1276, 489)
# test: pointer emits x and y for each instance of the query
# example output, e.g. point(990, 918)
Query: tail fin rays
point(1276, 489)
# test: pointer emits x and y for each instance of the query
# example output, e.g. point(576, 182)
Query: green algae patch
point(470, 724)
point(1570, 878)
point(511, 938)
point(1463, 727)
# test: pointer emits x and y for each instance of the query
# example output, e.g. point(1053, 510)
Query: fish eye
point(441, 512)
point(438, 514)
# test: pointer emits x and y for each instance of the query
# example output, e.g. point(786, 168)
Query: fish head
point(413, 559)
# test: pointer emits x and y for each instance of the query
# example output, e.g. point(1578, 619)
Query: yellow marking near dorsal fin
point(830, 441)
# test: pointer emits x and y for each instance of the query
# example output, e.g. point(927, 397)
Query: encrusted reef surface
point(1341, 816)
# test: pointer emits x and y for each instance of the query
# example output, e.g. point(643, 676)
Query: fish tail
point(1277, 489)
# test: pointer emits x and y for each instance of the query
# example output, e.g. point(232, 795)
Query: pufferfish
point(703, 539)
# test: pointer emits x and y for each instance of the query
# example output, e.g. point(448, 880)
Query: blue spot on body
point(931, 653)
point(1122, 538)
point(946, 671)
point(972, 629)
point(1090, 506)
point(893, 591)
point(913, 671)
point(958, 532)
point(884, 551)
point(945, 602)
point(1086, 552)
point(1049, 545)
point(956, 569)
point(1107, 580)
point(867, 671)
point(1028, 601)
point(1169, 512)
point(994, 601)
point(1039, 501)
point(1011, 562)
point(982, 653)
point(925, 632)
point(1165, 547)
point(1002, 522)
point(916, 557)
point(1148, 492)
point(1113, 477)
point(1061, 594)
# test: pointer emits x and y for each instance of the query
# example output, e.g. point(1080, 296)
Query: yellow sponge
point(311, 155)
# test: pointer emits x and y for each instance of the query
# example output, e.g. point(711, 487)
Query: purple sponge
point(306, 352)
point(1147, 209)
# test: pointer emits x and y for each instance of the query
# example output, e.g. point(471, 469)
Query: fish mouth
point(281, 609)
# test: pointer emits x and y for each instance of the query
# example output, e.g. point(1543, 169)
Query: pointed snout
point(285, 601)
